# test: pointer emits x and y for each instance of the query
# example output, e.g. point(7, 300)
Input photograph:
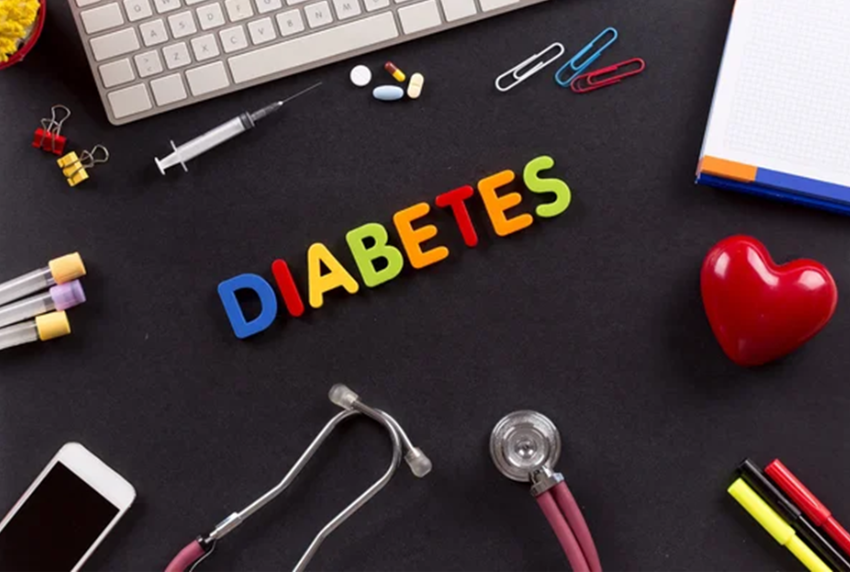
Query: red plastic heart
point(760, 311)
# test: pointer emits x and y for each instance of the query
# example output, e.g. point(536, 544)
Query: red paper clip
point(48, 136)
point(48, 141)
point(594, 80)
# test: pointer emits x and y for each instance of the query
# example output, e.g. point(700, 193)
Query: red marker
point(808, 503)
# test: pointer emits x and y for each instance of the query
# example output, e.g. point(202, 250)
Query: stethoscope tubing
point(564, 516)
point(562, 530)
point(196, 550)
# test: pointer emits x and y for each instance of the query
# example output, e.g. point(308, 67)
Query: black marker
point(754, 477)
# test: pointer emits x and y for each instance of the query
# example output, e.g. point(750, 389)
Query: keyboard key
point(84, 3)
point(205, 47)
point(488, 5)
point(129, 101)
point(290, 23)
point(114, 44)
point(207, 78)
point(137, 9)
point(102, 18)
point(419, 17)
point(116, 73)
point(261, 31)
point(307, 49)
point(238, 9)
point(163, 6)
point(182, 24)
point(192, 2)
point(210, 16)
point(264, 6)
point(318, 14)
point(458, 9)
point(233, 39)
point(176, 56)
point(148, 63)
point(168, 89)
point(372, 5)
point(347, 8)
point(153, 33)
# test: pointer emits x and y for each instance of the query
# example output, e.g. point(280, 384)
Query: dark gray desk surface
point(594, 317)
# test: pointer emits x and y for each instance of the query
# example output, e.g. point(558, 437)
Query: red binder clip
point(602, 78)
point(48, 136)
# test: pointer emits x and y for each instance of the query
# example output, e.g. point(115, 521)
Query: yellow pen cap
point(67, 268)
point(780, 530)
point(52, 325)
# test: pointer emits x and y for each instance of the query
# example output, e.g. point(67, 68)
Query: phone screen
point(56, 525)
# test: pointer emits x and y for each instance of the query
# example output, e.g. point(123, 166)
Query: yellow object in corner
point(67, 268)
point(780, 530)
point(16, 20)
point(52, 325)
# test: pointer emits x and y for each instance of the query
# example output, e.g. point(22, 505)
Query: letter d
point(268, 304)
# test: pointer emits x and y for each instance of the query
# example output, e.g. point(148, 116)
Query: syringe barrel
point(203, 143)
point(29, 308)
point(18, 334)
point(19, 287)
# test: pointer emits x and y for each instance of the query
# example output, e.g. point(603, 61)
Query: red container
point(33, 38)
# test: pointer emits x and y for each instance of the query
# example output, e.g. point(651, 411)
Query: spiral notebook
point(780, 120)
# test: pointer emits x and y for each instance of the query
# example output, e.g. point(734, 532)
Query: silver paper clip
point(518, 72)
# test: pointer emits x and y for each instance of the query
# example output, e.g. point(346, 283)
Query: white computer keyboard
point(152, 56)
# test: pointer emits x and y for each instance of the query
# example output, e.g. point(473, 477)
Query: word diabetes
point(378, 261)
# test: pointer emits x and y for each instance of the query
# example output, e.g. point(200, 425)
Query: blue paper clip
point(578, 68)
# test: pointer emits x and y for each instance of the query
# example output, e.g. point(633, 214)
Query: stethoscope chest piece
point(524, 442)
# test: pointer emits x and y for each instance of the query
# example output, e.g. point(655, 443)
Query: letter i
point(287, 288)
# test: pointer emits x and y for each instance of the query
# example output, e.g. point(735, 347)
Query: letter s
point(535, 184)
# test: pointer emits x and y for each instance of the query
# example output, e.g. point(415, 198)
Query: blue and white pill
point(388, 93)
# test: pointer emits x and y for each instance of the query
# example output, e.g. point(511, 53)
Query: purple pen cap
point(68, 295)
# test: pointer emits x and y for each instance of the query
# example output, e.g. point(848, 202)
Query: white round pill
point(361, 76)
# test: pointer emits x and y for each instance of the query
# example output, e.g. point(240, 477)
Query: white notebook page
point(782, 100)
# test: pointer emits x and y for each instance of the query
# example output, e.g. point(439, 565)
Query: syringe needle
point(269, 109)
point(300, 93)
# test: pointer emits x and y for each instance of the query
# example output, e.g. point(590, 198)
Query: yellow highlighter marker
point(776, 526)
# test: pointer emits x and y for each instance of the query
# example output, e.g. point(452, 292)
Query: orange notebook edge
point(717, 167)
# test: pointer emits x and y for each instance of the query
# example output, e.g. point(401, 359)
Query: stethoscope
point(200, 548)
point(525, 445)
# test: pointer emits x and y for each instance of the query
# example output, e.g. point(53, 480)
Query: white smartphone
point(63, 516)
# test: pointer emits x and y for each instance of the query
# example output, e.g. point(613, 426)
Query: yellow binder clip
point(75, 168)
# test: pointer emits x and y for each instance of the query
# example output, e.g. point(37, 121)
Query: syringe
point(43, 328)
point(224, 132)
point(58, 271)
point(60, 297)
